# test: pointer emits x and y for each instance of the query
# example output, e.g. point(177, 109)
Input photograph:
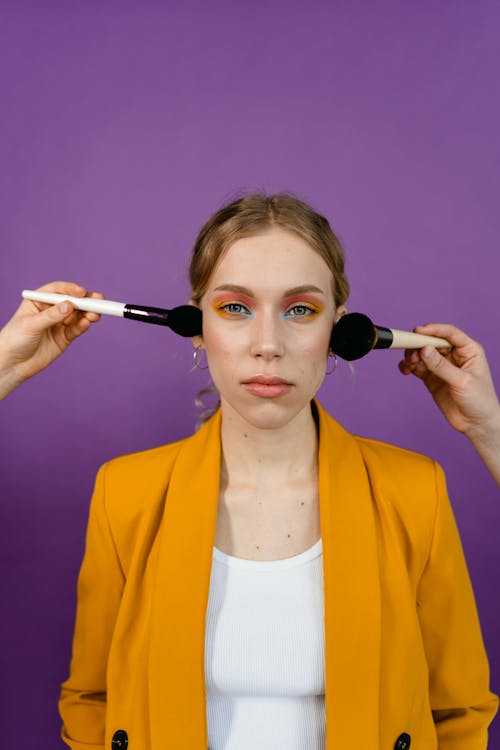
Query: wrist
point(486, 433)
point(10, 379)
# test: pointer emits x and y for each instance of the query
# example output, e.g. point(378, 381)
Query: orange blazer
point(404, 657)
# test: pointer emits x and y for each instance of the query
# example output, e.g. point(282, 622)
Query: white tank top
point(264, 653)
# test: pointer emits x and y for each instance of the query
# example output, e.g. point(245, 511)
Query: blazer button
point(120, 740)
point(403, 742)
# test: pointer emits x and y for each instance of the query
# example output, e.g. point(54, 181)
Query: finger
point(94, 317)
point(417, 368)
point(78, 314)
point(404, 367)
point(440, 366)
point(50, 317)
point(412, 356)
point(81, 321)
point(64, 287)
point(72, 332)
point(58, 287)
point(454, 335)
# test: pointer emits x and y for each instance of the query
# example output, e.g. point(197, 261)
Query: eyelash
point(228, 305)
point(310, 311)
point(225, 308)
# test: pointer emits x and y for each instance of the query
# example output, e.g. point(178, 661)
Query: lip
point(267, 386)
point(266, 380)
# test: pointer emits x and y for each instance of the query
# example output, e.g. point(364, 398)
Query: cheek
point(220, 346)
point(316, 344)
point(312, 360)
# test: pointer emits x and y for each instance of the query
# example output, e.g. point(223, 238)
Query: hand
point(461, 385)
point(458, 379)
point(38, 333)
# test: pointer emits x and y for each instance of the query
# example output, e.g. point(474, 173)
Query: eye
point(299, 311)
point(235, 308)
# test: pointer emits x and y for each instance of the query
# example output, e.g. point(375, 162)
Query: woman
point(272, 581)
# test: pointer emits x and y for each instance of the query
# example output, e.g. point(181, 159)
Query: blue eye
point(298, 311)
point(236, 308)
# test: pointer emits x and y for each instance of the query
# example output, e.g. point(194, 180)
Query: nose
point(267, 337)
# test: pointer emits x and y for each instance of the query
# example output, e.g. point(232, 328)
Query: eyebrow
point(244, 290)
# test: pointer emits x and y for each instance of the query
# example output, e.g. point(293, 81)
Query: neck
point(267, 457)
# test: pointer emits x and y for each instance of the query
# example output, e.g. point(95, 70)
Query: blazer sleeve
point(101, 581)
point(461, 702)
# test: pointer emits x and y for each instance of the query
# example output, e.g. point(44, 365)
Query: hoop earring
point(335, 362)
point(196, 359)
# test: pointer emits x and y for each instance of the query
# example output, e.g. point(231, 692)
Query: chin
point(266, 414)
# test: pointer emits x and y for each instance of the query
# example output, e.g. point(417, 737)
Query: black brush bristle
point(353, 336)
point(185, 320)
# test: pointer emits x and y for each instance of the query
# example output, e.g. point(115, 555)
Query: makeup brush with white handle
point(185, 320)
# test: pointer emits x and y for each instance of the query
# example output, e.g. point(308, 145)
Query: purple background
point(123, 127)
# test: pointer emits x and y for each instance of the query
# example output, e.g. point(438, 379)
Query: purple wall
point(123, 127)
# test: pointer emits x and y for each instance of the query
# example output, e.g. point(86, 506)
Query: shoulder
point(382, 460)
point(409, 478)
point(129, 497)
point(408, 488)
point(142, 462)
point(409, 493)
point(405, 487)
point(134, 482)
point(398, 462)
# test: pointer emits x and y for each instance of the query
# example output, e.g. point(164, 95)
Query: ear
point(197, 340)
point(341, 311)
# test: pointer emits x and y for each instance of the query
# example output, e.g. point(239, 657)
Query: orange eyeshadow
point(298, 299)
point(223, 299)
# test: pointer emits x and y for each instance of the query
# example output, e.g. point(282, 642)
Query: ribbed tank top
point(264, 653)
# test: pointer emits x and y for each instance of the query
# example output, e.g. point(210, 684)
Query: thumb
point(50, 317)
point(440, 366)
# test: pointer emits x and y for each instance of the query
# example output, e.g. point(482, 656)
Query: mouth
point(265, 386)
point(266, 380)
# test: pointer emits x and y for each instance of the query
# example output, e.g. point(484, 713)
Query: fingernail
point(64, 307)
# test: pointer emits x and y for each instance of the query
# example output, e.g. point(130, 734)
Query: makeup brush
point(184, 320)
point(355, 335)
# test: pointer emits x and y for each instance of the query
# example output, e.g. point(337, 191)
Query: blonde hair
point(254, 214)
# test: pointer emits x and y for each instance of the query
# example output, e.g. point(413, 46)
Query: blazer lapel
point(176, 662)
point(351, 591)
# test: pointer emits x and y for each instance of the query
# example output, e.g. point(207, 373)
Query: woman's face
point(268, 314)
